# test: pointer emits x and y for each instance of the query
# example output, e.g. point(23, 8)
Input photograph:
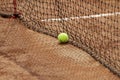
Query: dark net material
point(99, 36)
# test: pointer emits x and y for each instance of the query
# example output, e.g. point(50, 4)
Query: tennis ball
point(63, 37)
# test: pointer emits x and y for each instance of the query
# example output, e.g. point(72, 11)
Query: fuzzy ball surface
point(63, 37)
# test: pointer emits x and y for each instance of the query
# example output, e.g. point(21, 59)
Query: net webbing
point(93, 25)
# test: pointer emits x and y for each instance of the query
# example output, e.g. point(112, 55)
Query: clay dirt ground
point(97, 36)
point(28, 55)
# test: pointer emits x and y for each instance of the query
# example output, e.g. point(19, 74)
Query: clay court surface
point(28, 54)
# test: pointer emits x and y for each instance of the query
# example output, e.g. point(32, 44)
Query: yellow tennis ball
point(63, 37)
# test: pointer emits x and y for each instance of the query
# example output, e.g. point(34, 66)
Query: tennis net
point(93, 25)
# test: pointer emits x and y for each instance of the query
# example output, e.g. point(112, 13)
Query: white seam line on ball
point(81, 17)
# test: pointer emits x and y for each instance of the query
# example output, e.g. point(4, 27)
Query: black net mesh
point(93, 25)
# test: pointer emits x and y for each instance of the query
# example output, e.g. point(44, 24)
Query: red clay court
point(29, 49)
